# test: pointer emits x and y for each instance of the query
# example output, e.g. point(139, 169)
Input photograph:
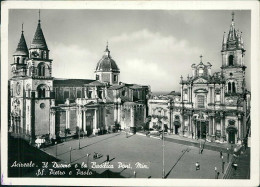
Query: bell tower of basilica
point(233, 67)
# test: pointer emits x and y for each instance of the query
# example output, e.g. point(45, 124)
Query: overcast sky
point(151, 47)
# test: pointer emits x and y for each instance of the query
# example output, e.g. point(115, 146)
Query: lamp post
point(163, 171)
point(87, 159)
point(56, 146)
point(79, 139)
point(223, 163)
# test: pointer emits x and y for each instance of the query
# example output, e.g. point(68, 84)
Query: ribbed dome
point(38, 39)
point(22, 47)
point(106, 63)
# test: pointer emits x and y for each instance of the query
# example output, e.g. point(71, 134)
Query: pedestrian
point(107, 158)
point(220, 154)
point(201, 151)
point(197, 166)
point(192, 135)
point(134, 174)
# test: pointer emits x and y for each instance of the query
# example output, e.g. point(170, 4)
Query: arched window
point(89, 94)
point(41, 70)
point(233, 87)
point(42, 91)
point(230, 60)
point(18, 60)
point(229, 87)
point(115, 78)
point(100, 94)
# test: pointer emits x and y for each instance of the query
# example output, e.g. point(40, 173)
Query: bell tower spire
point(233, 52)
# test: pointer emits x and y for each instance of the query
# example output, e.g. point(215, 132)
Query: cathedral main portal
point(202, 129)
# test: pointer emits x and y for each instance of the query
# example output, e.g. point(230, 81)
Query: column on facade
point(182, 123)
point(132, 117)
point(84, 93)
point(213, 95)
point(169, 118)
point(221, 124)
point(222, 93)
point(119, 113)
point(67, 119)
point(79, 118)
point(111, 78)
point(52, 124)
point(195, 128)
point(213, 125)
point(192, 126)
point(105, 118)
point(84, 120)
point(115, 112)
point(144, 109)
point(95, 119)
point(189, 124)
point(239, 134)
point(210, 125)
point(95, 92)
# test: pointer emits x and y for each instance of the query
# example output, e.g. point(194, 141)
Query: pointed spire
point(232, 35)
point(38, 39)
point(22, 46)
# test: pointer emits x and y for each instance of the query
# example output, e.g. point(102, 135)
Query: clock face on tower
point(35, 54)
point(18, 88)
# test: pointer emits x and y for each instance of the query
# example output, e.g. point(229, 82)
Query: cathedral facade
point(40, 104)
point(211, 106)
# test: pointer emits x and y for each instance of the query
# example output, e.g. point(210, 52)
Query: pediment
point(201, 90)
point(200, 80)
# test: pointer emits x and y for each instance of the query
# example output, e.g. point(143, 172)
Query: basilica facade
point(211, 106)
point(40, 104)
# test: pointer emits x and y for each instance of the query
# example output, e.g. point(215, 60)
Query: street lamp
point(56, 148)
point(87, 159)
point(79, 139)
point(223, 163)
point(163, 171)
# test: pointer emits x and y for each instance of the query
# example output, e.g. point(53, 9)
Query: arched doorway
point(176, 127)
point(89, 122)
point(201, 129)
point(231, 130)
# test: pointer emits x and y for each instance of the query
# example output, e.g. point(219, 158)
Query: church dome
point(106, 63)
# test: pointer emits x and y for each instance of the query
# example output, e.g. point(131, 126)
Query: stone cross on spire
point(39, 15)
point(201, 58)
point(233, 15)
